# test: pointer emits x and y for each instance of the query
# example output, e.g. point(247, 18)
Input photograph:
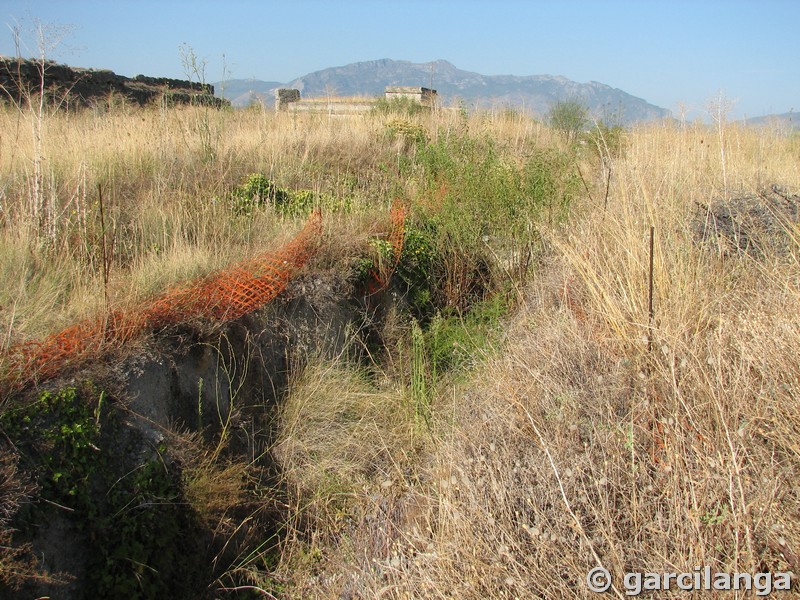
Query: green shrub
point(570, 117)
point(412, 134)
point(482, 206)
point(606, 141)
point(254, 192)
point(302, 202)
point(453, 341)
point(398, 106)
point(58, 437)
point(418, 266)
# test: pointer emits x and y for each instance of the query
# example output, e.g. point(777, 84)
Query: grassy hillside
point(541, 403)
point(594, 432)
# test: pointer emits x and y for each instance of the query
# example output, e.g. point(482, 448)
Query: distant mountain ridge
point(535, 93)
point(784, 122)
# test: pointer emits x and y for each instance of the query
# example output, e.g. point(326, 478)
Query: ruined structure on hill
point(288, 99)
point(425, 96)
point(77, 86)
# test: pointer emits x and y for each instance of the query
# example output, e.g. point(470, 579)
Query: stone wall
point(423, 95)
point(285, 96)
point(288, 99)
point(19, 77)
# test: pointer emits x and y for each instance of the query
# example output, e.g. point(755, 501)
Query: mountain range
point(532, 93)
point(783, 122)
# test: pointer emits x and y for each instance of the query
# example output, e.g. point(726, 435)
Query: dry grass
point(576, 446)
point(594, 435)
point(165, 177)
point(342, 439)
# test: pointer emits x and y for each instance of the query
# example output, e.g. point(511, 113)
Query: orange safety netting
point(380, 277)
point(226, 295)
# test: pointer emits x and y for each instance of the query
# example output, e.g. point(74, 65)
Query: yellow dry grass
point(165, 177)
point(595, 437)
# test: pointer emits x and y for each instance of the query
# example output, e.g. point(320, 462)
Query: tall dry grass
point(597, 436)
point(594, 435)
point(164, 176)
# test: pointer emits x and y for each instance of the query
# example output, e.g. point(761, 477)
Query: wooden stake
point(650, 295)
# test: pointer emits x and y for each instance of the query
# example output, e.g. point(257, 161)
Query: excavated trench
point(190, 383)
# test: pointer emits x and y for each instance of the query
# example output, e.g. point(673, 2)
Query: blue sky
point(669, 52)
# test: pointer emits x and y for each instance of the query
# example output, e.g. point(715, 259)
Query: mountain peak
point(443, 64)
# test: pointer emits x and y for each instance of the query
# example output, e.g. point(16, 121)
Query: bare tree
point(31, 102)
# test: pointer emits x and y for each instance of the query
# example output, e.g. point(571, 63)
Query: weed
point(411, 135)
point(61, 430)
point(398, 106)
point(423, 378)
point(484, 208)
point(256, 191)
point(456, 341)
point(418, 266)
point(134, 521)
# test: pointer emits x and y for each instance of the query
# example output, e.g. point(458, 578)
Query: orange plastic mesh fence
point(380, 277)
point(239, 289)
point(226, 295)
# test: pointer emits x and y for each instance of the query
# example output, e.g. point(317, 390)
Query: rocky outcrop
point(79, 86)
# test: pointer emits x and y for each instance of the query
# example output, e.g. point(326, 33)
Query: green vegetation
point(482, 211)
point(134, 527)
point(256, 191)
point(60, 434)
point(509, 398)
point(457, 342)
point(471, 234)
point(570, 117)
point(398, 106)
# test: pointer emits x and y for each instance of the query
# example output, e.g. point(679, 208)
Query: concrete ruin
point(285, 96)
point(423, 95)
point(289, 100)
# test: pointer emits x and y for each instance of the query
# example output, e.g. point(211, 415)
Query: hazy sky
point(669, 52)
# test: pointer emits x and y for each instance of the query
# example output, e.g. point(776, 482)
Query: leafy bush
point(418, 265)
point(453, 340)
point(481, 208)
point(254, 192)
point(58, 435)
point(606, 140)
point(398, 106)
point(570, 117)
point(411, 134)
point(257, 190)
point(302, 202)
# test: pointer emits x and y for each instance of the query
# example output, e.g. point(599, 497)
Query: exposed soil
point(197, 380)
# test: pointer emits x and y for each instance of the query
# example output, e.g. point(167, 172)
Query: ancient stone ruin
point(288, 99)
point(423, 95)
point(284, 96)
point(21, 78)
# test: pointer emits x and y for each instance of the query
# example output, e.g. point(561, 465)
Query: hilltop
point(18, 76)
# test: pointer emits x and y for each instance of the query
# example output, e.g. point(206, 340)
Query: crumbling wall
point(423, 95)
point(22, 77)
point(285, 96)
point(289, 100)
